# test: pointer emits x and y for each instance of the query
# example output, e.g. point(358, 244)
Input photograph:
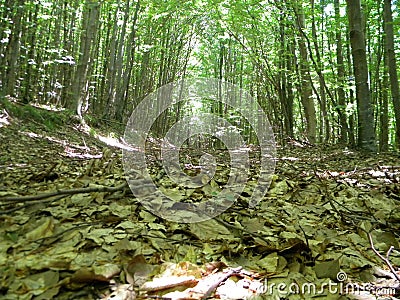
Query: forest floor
point(71, 229)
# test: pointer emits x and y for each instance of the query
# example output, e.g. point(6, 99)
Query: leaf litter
point(89, 238)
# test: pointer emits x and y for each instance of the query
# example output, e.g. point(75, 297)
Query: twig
point(221, 278)
point(384, 259)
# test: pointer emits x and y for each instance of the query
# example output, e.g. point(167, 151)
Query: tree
point(306, 82)
point(13, 49)
point(89, 30)
point(343, 133)
point(391, 64)
point(366, 132)
point(293, 56)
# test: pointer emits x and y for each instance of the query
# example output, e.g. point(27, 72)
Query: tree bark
point(343, 131)
point(306, 84)
point(89, 31)
point(383, 112)
point(284, 83)
point(130, 60)
point(324, 121)
point(13, 50)
point(392, 65)
point(366, 132)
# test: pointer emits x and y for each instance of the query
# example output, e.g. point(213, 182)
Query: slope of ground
point(71, 229)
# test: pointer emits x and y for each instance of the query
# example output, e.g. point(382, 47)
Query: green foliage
point(92, 131)
point(141, 45)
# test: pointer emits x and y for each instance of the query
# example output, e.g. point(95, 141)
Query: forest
point(199, 149)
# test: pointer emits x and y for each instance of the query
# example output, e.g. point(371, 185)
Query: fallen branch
point(4, 212)
point(64, 192)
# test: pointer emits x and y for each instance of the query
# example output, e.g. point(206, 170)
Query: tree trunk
point(119, 100)
point(29, 89)
point(130, 60)
point(366, 133)
point(343, 131)
point(89, 31)
point(392, 65)
point(324, 123)
point(284, 83)
point(306, 84)
point(13, 50)
point(111, 66)
point(69, 43)
point(383, 113)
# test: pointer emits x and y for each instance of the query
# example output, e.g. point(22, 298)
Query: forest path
point(308, 228)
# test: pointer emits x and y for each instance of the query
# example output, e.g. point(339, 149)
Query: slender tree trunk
point(69, 43)
point(343, 131)
point(366, 133)
point(13, 50)
point(352, 133)
point(392, 65)
point(89, 30)
point(379, 89)
point(119, 100)
point(306, 84)
point(324, 124)
point(130, 60)
point(111, 68)
point(283, 80)
point(5, 28)
point(384, 108)
point(53, 92)
point(29, 89)
point(290, 65)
